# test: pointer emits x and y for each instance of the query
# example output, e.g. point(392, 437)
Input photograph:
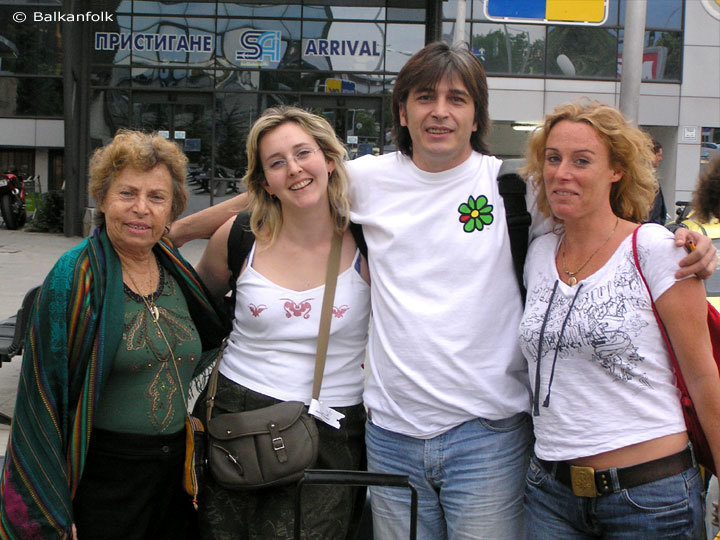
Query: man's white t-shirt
point(445, 301)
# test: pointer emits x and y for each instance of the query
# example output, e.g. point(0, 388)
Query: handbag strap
point(676, 367)
point(326, 313)
point(323, 332)
point(212, 384)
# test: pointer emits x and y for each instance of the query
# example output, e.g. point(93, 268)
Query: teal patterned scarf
point(75, 329)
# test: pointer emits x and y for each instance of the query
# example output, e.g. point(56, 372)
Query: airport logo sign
point(259, 47)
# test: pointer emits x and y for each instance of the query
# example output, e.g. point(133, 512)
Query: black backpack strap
point(512, 189)
point(359, 237)
point(239, 244)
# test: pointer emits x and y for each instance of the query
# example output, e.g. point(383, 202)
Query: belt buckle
point(583, 481)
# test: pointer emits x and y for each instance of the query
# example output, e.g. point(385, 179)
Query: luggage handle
point(355, 478)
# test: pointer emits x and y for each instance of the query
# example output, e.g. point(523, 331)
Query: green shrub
point(50, 213)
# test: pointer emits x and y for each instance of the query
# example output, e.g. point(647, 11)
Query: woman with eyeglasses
point(612, 458)
point(297, 185)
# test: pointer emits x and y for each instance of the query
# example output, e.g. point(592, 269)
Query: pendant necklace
point(148, 301)
point(572, 280)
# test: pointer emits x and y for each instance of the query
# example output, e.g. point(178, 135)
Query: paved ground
point(25, 259)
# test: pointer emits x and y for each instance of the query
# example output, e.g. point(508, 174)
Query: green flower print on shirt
point(476, 213)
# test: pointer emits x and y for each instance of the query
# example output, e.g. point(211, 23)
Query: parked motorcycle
point(12, 200)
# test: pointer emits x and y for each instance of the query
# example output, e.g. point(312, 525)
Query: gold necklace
point(155, 315)
point(572, 280)
point(148, 300)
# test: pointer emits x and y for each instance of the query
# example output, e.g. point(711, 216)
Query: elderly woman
point(612, 458)
point(117, 333)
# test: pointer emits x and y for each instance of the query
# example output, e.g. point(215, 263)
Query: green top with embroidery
point(142, 394)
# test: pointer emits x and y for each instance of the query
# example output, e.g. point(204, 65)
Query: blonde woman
point(605, 403)
point(297, 185)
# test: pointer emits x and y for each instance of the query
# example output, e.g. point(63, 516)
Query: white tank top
point(272, 345)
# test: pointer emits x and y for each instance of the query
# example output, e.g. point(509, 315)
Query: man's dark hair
point(425, 70)
point(656, 146)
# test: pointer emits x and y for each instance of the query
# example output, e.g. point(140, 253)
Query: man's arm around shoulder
point(204, 223)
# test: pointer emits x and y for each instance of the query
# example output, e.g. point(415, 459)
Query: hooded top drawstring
point(536, 397)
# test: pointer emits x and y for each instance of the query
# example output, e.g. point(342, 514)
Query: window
point(582, 51)
point(510, 48)
point(31, 96)
point(30, 48)
point(574, 51)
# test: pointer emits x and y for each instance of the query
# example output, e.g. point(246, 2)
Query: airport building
point(73, 72)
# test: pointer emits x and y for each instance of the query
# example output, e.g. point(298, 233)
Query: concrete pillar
point(632, 56)
point(460, 22)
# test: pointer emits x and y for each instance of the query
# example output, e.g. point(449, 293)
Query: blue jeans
point(668, 508)
point(469, 480)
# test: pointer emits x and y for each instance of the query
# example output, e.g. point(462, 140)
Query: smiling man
point(446, 395)
point(447, 392)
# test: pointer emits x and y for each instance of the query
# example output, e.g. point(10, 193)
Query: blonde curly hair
point(629, 148)
point(141, 151)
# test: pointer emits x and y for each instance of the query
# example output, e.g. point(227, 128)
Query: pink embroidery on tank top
point(257, 310)
point(298, 310)
point(338, 312)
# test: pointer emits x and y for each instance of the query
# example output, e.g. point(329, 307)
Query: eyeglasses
point(280, 164)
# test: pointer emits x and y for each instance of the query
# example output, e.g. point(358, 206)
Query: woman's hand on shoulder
point(701, 261)
point(213, 266)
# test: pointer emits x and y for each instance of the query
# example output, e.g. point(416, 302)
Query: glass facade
point(201, 73)
point(30, 62)
point(307, 46)
point(573, 51)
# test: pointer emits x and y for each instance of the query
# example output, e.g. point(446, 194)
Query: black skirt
point(131, 488)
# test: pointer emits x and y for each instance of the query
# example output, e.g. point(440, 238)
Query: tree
point(230, 150)
point(592, 51)
point(502, 51)
point(673, 64)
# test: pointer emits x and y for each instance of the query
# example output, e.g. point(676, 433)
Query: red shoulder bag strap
point(676, 367)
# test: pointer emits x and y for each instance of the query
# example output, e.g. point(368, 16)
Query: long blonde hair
point(265, 210)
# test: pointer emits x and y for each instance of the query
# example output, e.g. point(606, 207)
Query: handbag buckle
point(278, 444)
point(583, 481)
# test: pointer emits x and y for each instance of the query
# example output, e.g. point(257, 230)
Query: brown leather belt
point(587, 482)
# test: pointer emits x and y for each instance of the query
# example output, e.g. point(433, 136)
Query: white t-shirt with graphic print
point(446, 305)
point(613, 383)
